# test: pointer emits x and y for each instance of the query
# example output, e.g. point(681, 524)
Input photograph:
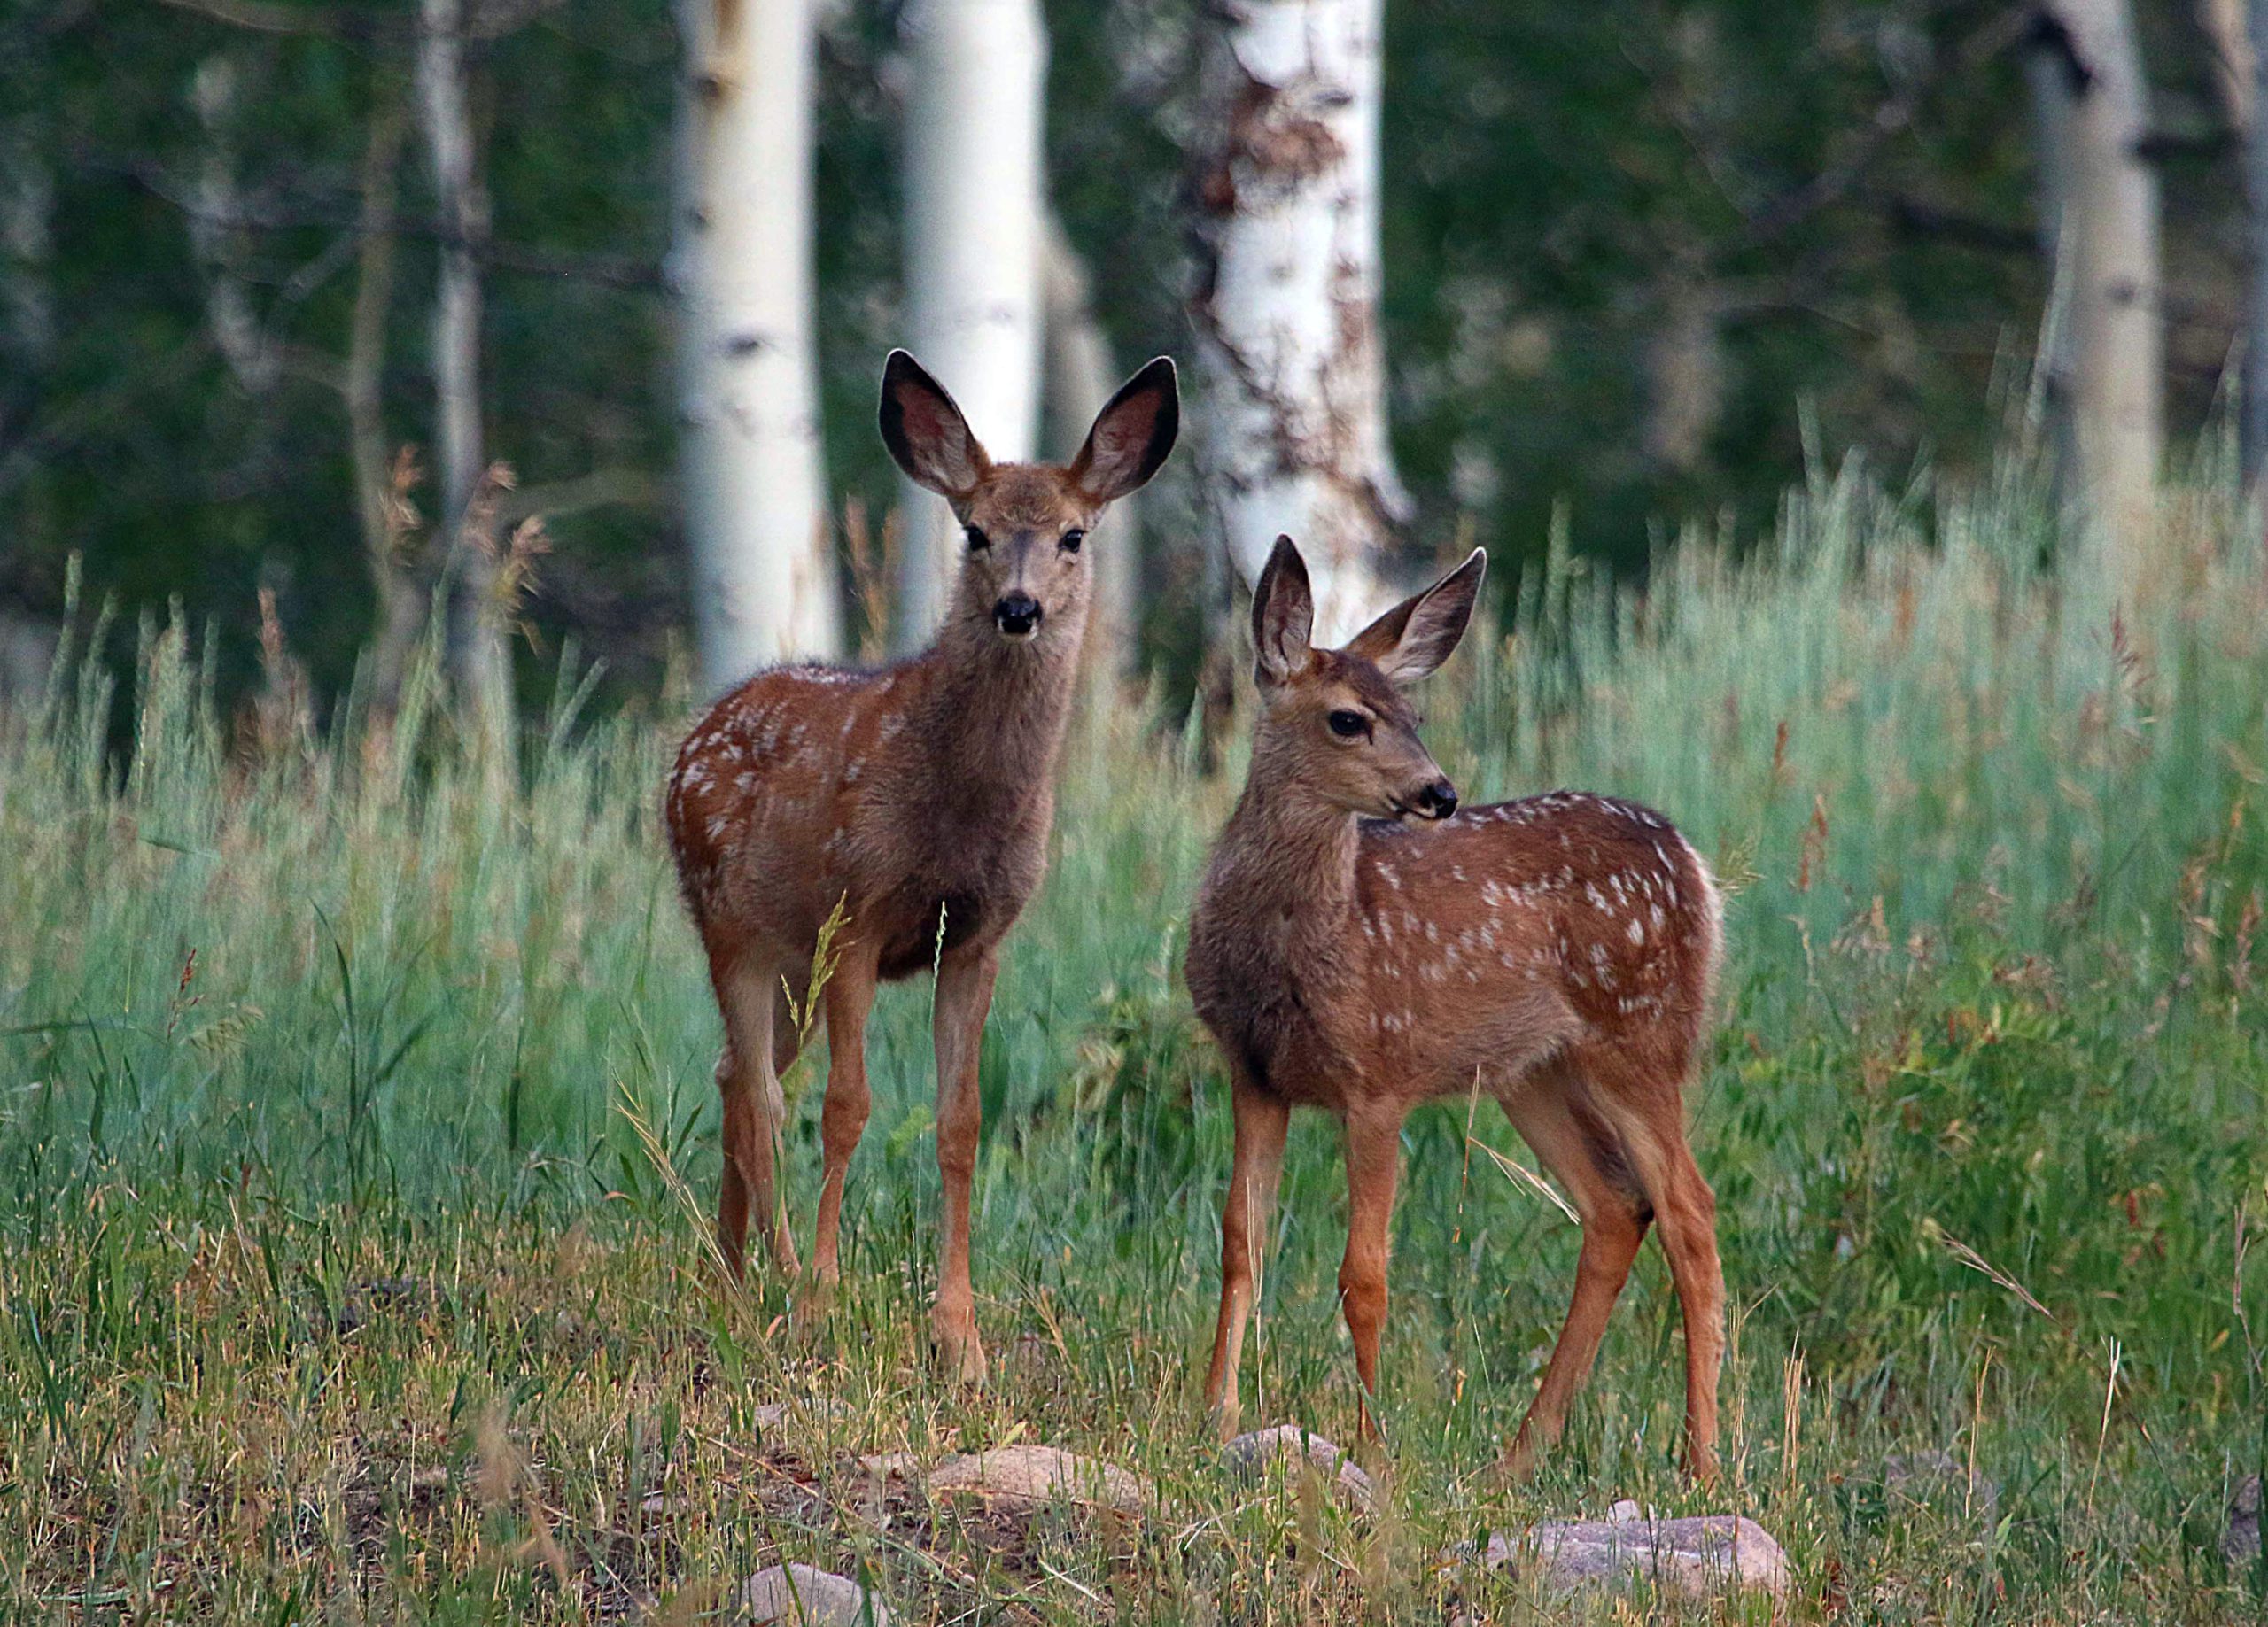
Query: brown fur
point(1557, 953)
point(916, 799)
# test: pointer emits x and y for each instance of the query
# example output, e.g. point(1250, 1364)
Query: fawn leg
point(1261, 1120)
point(963, 997)
point(1581, 1151)
point(1651, 1120)
point(753, 1109)
point(1373, 1137)
point(850, 996)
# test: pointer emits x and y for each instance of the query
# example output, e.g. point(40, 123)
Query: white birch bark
point(214, 237)
point(479, 659)
point(748, 375)
point(975, 200)
point(1289, 354)
point(2109, 252)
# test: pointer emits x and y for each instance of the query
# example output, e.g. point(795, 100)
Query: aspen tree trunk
point(478, 657)
point(28, 339)
point(748, 379)
point(394, 580)
point(2109, 255)
point(1078, 384)
point(974, 200)
point(2053, 77)
point(2248, 94)
point(1289, 356)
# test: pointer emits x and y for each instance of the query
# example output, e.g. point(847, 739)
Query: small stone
point(1695, 1558)
point(1934, 1477)
point(1025, 1478)
point(1252, 1453)
point(2240, 1543)
point(1624, 1512)
point(805, 1596)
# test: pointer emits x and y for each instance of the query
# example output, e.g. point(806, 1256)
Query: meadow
point(357, 1142)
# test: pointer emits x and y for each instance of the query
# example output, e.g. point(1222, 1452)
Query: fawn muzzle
point(1017, 616)
point(1437, 801)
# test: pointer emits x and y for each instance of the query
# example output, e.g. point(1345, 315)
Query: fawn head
point(1334, 723)
point(1025, 525)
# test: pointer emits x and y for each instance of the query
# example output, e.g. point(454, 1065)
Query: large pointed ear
point(1414, 637)
point(1283, 616)
point(1131, 435)
point(925, 432)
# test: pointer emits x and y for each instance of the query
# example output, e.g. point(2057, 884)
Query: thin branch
point(321, 22)
point(602, 488)
point(520, 258)
point(1891, 119)
point(355, 27)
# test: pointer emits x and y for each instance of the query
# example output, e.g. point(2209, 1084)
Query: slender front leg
point(850, 996)
point(1246, 1219)
point(753, 1109)
point(963, 997)
point(1373, 1162)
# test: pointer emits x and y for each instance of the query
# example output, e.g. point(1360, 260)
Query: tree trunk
point(395, 588)
point(1289, 356)
point(1078, 382)
point(478, 657)
point(2255, 430)
point(2053, 76)
point(216, 239)
point(2109, 246)
point(755, 487)
point(973, 202)
point(1684, 363)
point(2235, 66)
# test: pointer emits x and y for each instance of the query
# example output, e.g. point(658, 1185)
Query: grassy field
point(357, 1133)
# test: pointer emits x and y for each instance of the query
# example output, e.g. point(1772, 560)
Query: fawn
point(1559, 953)
point(916, 801)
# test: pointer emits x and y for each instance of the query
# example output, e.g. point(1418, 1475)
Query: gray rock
point(1694, 1558)
point(1024, 1478)
point(804, 1596)
point(2240, 1543)
point(1938, 1477)
point(1252, 1454)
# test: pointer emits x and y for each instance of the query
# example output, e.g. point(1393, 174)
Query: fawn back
point(1363, 944)
point(914, 802)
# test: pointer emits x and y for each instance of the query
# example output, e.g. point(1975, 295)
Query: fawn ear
point(1283, 616)
point(1131, 435)
point(925, 432)
point(1414, 637)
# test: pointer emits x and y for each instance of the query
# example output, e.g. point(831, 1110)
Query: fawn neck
point(1292, 854)
point(995, 713)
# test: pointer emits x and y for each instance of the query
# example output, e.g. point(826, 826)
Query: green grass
point(356, 1120)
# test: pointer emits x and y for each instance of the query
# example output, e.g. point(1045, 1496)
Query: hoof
point(960, 1356)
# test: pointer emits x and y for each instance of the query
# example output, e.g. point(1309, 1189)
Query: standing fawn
point(916, 799)
point(1361, 944)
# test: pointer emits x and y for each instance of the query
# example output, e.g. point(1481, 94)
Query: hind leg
point(1575, 1145)
point(850, 996)
point(1645, 1104)
point(753, 1109)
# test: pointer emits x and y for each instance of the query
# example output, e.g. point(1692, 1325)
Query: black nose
point(1438, 801)
point(1017, 615)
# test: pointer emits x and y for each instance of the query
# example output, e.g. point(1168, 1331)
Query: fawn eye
point(1350, 726)
point(977, 540)
point(1072, 538)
